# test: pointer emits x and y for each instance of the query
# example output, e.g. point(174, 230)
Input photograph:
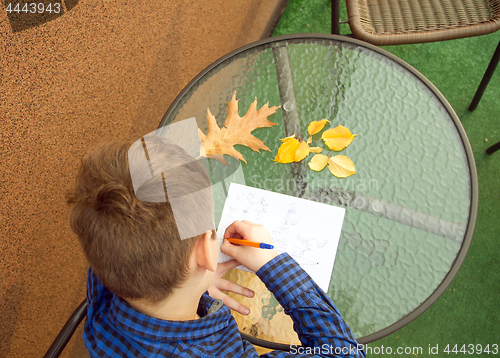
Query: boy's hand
point(251, 257)
point(221, 284)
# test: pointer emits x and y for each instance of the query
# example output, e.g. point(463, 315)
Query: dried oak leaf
point(339, 165)
point(236, 130)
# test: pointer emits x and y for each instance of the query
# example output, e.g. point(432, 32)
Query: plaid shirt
point(114, 329)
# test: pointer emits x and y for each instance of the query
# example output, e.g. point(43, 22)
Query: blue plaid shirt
point(114, 329)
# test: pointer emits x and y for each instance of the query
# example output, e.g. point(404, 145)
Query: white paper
point(307, 230)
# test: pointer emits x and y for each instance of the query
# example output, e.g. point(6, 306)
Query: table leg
point(335, 17)
point(493, 148)
point(486, 78)
point(290, 110)
point(359, 201)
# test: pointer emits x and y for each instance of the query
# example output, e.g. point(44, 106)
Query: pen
point(259, 245)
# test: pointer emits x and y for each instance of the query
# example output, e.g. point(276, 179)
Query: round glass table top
point(410, 207)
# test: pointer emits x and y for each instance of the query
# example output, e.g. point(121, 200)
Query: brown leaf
point(236, 130)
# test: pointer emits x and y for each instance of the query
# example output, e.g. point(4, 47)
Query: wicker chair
point(398, 22)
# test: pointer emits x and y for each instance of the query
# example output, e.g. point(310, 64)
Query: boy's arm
point(316, 319)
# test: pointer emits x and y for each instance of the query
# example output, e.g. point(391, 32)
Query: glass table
point(410, 208)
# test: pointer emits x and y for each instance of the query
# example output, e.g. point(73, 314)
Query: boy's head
point(132, 245)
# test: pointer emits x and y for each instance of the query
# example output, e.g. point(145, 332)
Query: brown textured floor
point(103, 70)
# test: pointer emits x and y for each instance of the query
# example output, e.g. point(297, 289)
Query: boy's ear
point(204, 248)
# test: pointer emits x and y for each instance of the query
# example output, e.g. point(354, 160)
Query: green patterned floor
point(468, 312)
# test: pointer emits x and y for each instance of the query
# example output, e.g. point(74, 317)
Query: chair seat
point(396, 22)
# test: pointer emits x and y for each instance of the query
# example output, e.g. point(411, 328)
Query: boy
point(147, 288)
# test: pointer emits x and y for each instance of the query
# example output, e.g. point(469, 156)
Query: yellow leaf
point(294, 151)
point(236, 130)
point(309, 140)
point(318, 162)
point(316, 126)
point(302, 151)
point(292, 137)
point(341, 166)
point(287, 150)
point(338, 138)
